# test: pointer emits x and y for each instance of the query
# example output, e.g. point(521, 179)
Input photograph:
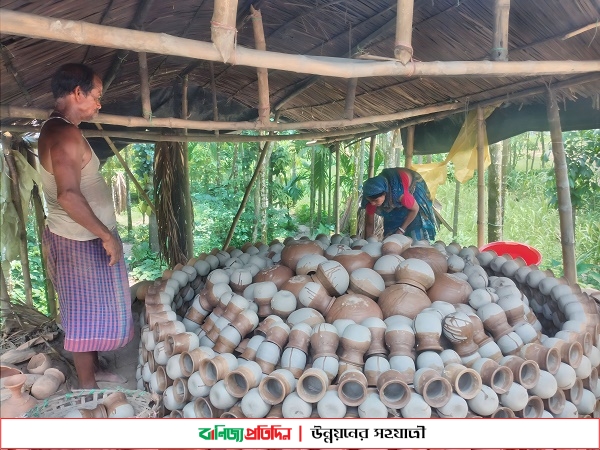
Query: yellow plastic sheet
point(463, 155)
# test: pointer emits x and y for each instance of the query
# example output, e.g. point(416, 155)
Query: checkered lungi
point(94, 298)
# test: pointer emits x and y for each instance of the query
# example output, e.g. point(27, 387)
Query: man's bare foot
point(104, 375)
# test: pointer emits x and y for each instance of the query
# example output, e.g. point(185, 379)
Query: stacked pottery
point(343, 327)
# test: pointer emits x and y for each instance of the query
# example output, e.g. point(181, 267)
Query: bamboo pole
point(350, 98)
point(189, 210)
point(372, 149)
point(213, 89)
point(171, 122)
point(494, 228)
point(500, 39)
point(264, 107)
point(336, 200)
point(79, 32)
point(480, 178)
point(410, 145)
point(403, 50)
point(456, 209)
point(21, 228)
point(126, 167)
point(145, 86)
point(563, 192)
point(222, 27)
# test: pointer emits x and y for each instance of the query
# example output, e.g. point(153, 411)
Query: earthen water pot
point(214, 369)
point(278, 333)
point(435, 389)
point(307, 265)
point(48, 384)
point(283, 303)
point(416, 273)
point(466, 382)
point(400, 340)
point(229, 338)
point(525, 372)
point(276, 386)
point(395, 244)
point(458, 329)
point(314, 295)
point(300, 337)
point(266, 323)
point(263, 293)
point(333, 276)
point(449, 288)
point(354, 259)
point(245, 377)
point(39, 363)
point(296, 283)
point(245, 322)
point(180, 342)
point(404, 300)
point(354, 343)
point(335, 249)
point(547, 358)
point(324, 340)
point(294, 360)
point(309, 316)
point(367, 282)
point(498, 378)
point(236, 305)
point(428, 330)
point(393, 389)
point(494, 320)
point(352, 387)
point(377, 327)
point(18, 403)
point(190, 360)
point(386, 266)
point(374, 367)
point(436, 260)
point(278, 274)
point(293, 251)
point(355, 307)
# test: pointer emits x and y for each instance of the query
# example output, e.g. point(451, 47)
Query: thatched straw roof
point(443, 30)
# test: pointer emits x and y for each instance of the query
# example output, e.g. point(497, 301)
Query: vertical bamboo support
point(213, 88)
point(372, 149)
point(350, 97)
point(410, 144)
point(189, 210)
point(22, 230)
point(456, 209)
point(222, 27)
point(505, 169)
point(480, 178)
point(494, 229)
point(312, 187)
point(4, 297)
point(145, 86)
point(403, 50)
point(329, 197)
point(500, 39)
point(40, 219)
point(336, 201)
point(262, 74)
point(563, 192)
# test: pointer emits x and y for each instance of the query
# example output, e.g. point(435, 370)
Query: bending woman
point(402, 198)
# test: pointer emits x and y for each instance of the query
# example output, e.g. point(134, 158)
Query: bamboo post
point(40, 220)
point(22, 230)
point(145, 86)
point(372, 149)
point(403, 50)
point(410, 144)
point(312, 187)
point(494, 229)
point(4, 297)
point(505, 169)
point(480, 178)
point(563, 192)
point(189, 210)
point(126, 167)
point(500, 39)
point(264, 107)
point(336, 201)
point(222, 27)
point(350, 97)
point(456, 209)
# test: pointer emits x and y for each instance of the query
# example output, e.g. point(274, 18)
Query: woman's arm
point(369, 224)
point(412, 213)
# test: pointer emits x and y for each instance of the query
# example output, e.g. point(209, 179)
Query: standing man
point(83, 249)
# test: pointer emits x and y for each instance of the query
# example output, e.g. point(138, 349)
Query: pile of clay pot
point(339, 327)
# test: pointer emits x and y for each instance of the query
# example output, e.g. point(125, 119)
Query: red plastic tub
point(515, 249)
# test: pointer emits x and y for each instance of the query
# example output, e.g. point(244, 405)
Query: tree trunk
point(526, 152)
point(495, 194)
point(543, 157)
point(128, 196)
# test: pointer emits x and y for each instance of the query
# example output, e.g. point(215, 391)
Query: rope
point(216, 24)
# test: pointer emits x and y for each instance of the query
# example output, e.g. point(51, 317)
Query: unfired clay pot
point(402, 299)
point(430, 255)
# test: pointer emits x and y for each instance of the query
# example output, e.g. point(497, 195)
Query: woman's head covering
point(375, 186)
